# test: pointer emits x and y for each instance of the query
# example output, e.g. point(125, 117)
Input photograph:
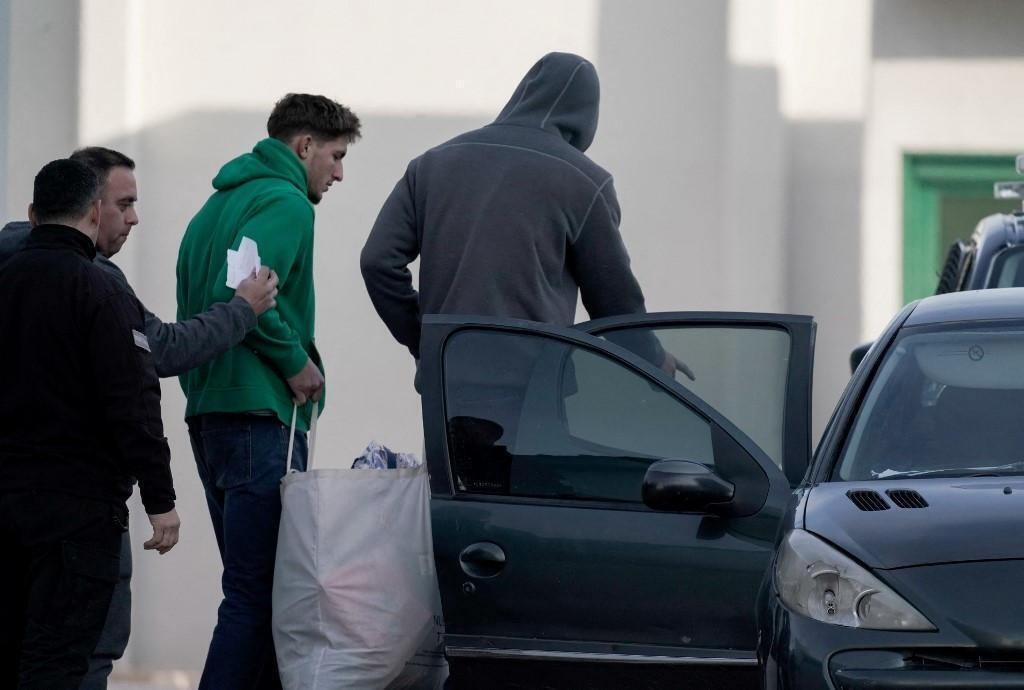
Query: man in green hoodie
point(239, 407)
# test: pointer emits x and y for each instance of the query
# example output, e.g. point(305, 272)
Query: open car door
point(548, 447)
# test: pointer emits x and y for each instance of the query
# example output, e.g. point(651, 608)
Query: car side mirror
point(683, 486)
point(857, 354)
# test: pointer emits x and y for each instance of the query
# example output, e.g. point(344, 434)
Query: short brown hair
point(319, 116)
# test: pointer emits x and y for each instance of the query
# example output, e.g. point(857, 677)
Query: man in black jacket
point(79, 417)
point(176, 347)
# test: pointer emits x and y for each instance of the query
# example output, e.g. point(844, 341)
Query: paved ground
point(158, 681)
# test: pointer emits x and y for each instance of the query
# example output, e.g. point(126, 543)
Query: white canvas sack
point(355, 592)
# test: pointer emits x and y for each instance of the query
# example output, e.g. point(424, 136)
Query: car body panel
point(978, 599)
point(993, 235)
point(796, 652)
point(945, 531)
point(977, 305)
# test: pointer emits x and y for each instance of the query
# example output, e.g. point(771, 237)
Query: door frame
point(928, 178)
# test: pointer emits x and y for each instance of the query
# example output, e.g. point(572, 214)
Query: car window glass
point(946, 401)
point(1009, 269)
point(534, 416)
point(739, 371)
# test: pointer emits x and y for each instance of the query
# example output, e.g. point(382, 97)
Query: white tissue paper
point(242, 263)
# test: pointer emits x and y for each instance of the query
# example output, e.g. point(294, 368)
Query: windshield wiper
point(992, 471)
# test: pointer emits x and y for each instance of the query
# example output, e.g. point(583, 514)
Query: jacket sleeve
point(130, 398)
point(599, 262)
point(282, 228)
point(392, 245)
point(184, 345)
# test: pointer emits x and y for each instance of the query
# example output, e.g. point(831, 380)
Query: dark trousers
point(114, 638)
point(61, 558)
point(241, 460)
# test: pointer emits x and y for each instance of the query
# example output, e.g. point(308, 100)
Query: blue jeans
point(241, 460)
point(117, 628)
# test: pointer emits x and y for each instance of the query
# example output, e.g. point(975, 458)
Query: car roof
point(971, 305)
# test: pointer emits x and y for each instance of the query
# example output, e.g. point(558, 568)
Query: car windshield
point(948, 401)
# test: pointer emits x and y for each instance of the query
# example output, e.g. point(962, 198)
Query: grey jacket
point(176, 347)
point(508, 220)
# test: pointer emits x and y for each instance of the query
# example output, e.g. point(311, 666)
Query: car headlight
point(818, 581)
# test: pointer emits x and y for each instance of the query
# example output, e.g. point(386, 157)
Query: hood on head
point(560, 94)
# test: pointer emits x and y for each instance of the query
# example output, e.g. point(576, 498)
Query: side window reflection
point(739, 371)
point(536, 417)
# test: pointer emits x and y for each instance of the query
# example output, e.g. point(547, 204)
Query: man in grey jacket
point(175, 347)
point(509, 220)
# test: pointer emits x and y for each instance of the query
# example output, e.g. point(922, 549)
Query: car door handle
point(482, 560)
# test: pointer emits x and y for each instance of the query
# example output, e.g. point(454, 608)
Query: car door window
point(740, 371)
point(534, 416)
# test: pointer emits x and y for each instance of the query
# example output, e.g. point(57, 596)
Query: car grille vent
point(906, 498)
point(949, 659)
point(868, 500)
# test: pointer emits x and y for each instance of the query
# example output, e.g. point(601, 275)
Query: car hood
point(980, 600)
point(965, 519)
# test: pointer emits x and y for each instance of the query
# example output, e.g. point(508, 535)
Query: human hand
point(670, 365)
point(308, 384)
point(259, 290)
point(165, 531)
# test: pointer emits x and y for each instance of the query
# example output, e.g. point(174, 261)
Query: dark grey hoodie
point(508, 220)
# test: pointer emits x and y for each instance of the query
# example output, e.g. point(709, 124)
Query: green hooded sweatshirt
point(261, 195)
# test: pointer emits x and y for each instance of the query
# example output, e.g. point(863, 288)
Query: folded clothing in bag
point(378, 457)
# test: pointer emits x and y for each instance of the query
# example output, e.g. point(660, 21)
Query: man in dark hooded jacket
point(510, 220)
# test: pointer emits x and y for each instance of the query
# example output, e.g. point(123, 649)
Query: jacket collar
point(62, 237)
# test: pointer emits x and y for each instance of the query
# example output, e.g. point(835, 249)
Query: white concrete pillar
point(41, 94)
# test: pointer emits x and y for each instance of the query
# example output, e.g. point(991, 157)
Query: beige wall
point(756, 146)
point(41, 104)
point(922, 106)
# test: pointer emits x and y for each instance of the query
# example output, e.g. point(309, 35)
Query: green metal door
point(944, 197)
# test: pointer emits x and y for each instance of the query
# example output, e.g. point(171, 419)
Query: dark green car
point(597, 522)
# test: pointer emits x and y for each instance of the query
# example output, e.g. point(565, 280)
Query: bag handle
point(312, 437)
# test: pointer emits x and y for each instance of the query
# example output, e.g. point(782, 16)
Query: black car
point(598, 523)
point(992, 257)
point(900, 560)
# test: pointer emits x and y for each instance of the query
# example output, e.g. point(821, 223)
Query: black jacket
point(508, 220)
point(80, 399)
